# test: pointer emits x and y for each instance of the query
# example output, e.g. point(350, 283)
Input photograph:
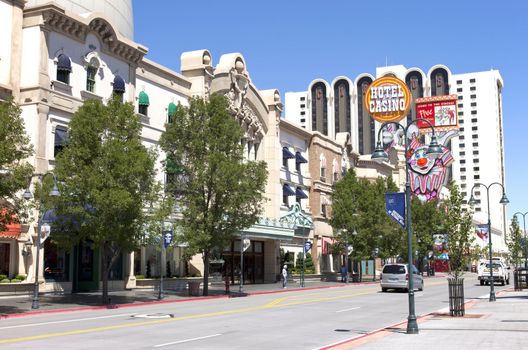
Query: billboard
point(441, 111)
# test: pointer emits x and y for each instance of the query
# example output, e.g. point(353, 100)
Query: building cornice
point(295, 129)
point(55, 18)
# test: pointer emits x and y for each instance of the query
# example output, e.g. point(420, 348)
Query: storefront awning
point(270, 229)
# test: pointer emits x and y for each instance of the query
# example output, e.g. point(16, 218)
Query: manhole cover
point(158, 315)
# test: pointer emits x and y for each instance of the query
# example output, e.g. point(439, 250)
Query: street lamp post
point(433, 150)
point(504, 200)
point(27, 196)
point(375, 253)
point(524, 230)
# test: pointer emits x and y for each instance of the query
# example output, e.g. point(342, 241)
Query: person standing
point(343, 273)
point(284, 276)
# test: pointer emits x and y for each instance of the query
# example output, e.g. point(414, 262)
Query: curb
point(155, 302)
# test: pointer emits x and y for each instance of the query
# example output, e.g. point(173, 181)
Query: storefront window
point(56, 262)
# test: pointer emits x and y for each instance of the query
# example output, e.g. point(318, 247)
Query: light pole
point(504, 200)
point(27, 196)
point(375, 253)
point(433, 150)
point(524, 230)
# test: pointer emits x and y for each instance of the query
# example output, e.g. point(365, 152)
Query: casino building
point(478, 147)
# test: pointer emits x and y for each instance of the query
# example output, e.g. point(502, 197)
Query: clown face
point(420, 162)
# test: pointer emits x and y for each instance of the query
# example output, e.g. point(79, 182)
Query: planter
point(194, 288)
point(456, 296)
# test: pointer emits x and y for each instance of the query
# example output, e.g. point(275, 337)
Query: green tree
point(426, 221)
point(220, 193)
point(107, 178)
point(458, 225)
point(358, 206)
point(514, 242)
point(15, 172)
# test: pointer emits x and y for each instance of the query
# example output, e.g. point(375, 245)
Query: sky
point(288, 43)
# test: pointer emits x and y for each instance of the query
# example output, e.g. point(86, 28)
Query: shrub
point(16, 280)
point(3, 277)
point(5, 280)
point(140, 277)
point(20, 277)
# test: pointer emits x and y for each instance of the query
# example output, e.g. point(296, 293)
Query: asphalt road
point(299, 319)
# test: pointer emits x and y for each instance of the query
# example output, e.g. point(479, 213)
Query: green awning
point(171, 109)
point(143, 99)
point(172, 167)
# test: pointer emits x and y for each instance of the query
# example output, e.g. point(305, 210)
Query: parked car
point(500, 273)
point(396, 276)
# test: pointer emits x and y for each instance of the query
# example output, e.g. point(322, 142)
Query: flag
point(482, 231)
point(395, 206)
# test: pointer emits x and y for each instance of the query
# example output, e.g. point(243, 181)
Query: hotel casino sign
point(387, 99)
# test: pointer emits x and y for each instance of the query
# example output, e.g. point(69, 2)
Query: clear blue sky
point(288, 43)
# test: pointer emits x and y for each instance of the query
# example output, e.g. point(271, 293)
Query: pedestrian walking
point(344, 273)
point(284, 276)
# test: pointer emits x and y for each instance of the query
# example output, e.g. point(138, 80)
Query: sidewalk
point(487, 325)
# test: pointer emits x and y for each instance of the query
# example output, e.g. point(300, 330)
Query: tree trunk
point(105, 271)
point(206, 273)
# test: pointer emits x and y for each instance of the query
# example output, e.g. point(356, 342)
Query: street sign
point(307, 246)
point(167, 238)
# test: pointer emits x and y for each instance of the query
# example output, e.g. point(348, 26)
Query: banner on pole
point(307, 246)
point(395, 206)
point(246, 243)
point(167, 238)
point(482, 231)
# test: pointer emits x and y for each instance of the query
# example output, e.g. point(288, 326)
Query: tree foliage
point(426, 221)
point(458, 225)
point(106, 178)
point(358, 206)
point(15, 172)
point(514, 242)
point(220, 193)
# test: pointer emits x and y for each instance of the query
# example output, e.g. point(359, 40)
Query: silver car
point(396, 276)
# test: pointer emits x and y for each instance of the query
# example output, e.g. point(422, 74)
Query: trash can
point(194, 288)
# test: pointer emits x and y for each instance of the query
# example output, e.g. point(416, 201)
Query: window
point(286, 155)
point(459, 82)
point(303, 98)
point(476, 177)
point(474, 136)
point(462, 153)
point(460, 113)
point(472, 80)
point(473, 88)
point(460, 105)
point(473, 104)
point(285, 199)
point(335, 177)
point(474, 128)
point(473, 112)
point(461, 129)
point(463, 177)
point(461, 137)
point(464, 194)
point(462, 161)
point(462, 145)
point(476, 160)
point(473, 120)
point(323, 174)
point(475, 144)
point(91, 71)
point(461, 121)
point(459, 90)
point(143, 103)
point(460, 98)
point(61, 140)
point(463, 186)
point(476, 168)
point(323, 210)
point(63, 68)
point(303, 120)
point(473, 96)
point(303, 113)
point(463, 170)
point(475, 152)
point(303, 106)
point(477, 209)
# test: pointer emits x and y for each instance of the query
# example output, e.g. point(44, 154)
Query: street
point(300, 319)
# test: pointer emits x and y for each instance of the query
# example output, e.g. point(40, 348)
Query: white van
point(396, 276)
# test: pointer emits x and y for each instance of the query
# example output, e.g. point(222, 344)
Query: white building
point(336, 107)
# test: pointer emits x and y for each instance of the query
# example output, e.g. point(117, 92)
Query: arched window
point(63, 68)
point(143, 103)
point(92, 63)
point(119, 86)
point(322, 166)
point(171, 112)
point(335, 171)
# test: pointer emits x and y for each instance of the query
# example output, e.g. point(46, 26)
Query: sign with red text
point(387, 99)
point(441, 111)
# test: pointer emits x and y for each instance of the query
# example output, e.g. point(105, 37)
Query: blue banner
point(307, 246)
point(395, 206)
point(167, 238)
